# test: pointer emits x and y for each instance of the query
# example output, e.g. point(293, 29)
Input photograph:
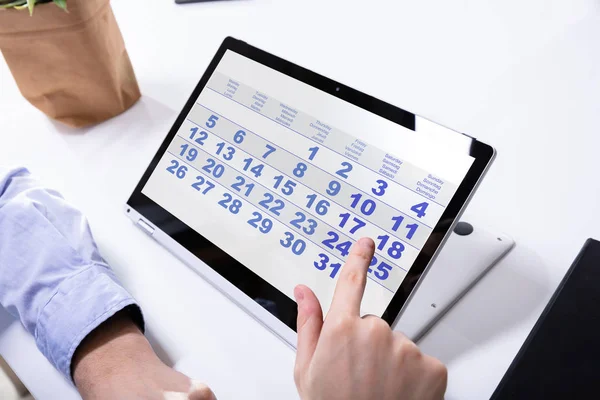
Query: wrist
point(105, 351)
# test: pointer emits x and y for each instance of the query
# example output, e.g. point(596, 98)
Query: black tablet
point(559, 359)
point(271, 172)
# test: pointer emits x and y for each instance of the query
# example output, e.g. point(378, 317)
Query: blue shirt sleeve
point(52, 276)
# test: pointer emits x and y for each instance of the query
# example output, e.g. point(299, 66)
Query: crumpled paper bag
point(72, 66)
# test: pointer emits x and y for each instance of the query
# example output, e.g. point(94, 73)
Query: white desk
point(522, 77)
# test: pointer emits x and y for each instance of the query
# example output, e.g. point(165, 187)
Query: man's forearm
point(116, 361)
point(104, 351)
point(51, 275)
point(53, 278)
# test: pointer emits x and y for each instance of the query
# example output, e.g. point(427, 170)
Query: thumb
point(200, 391)
point(309, 324)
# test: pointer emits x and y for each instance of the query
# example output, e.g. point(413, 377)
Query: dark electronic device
point(194, 1)
point(561, 356)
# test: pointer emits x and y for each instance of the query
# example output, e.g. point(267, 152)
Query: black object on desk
point(561, 357)
point(194, 1)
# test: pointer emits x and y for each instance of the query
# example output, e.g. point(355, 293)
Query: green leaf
point(61, 3)
point(31, 4)
point(14, 4)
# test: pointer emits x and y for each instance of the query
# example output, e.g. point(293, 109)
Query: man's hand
point(352, 358)
point(116, 362)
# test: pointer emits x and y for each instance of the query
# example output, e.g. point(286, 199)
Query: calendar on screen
point(286, 178)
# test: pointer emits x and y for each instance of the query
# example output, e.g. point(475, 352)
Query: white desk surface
point(522, 76)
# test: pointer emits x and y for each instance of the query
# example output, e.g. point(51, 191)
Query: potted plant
point(68, 58)
point(29, 4)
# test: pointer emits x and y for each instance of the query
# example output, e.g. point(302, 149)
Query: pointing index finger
point(353, 278)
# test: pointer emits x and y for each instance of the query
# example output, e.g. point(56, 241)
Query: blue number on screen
point(412, 228)
point(265, 223)
point(334, 188)
point(344, 171)
point(240, 183)
point(300, 170)
point(420, 209)
point(334, 237)
point(183, 149)
point(287, 188)
point(235, 205)
point(296, 222)
point(213, 168)
point(256, 170)
point(322, 265)
point(395, 250)
point(373, 262)
point(173, 167)
point(336, 267)
point(201, 181)
point(202, 136)
point(323, 262)
point(270, 149)
point(298, 246)
point(212, 121)
point(312, 224)
point(382, 271)
point(192, 154)
point(383, 239)
point(397, 222)
point(226, 200)
point(367, 207)
point(239, 136)
point(313, 152)
point(268, 200)
point(310, 229)
point(230, 151)
point(343, 247)
point(321, 207)
point(344, 219)
point(380, 190)
point(180, 172)
point(359, 223)
point(277, 207)
point(289, 238)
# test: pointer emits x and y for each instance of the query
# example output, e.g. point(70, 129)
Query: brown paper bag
point(72, 66)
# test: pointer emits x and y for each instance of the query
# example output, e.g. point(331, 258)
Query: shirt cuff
point(80, 305)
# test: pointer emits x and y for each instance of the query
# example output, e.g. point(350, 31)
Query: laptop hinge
point(145, 227)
